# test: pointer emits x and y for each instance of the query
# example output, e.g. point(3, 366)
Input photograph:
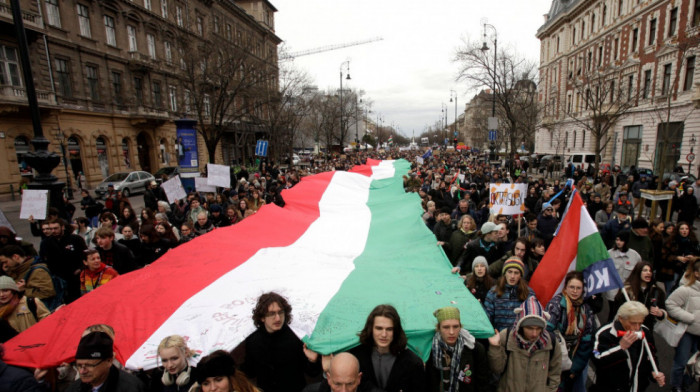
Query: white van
point(580, 159)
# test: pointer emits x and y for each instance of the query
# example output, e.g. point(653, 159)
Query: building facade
point(109, 80)
point(645, 52)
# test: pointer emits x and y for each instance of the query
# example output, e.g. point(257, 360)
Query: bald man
point(344, 375)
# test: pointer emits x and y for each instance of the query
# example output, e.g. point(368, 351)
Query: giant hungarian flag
point(343, 243)
point(577, 246)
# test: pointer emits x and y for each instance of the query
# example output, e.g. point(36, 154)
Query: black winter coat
point(117, 381)
point(476, 362)
point(406, 375)
point(14, 379)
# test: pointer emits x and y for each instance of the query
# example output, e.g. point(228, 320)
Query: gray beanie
point(480, 260)
point(7, 283)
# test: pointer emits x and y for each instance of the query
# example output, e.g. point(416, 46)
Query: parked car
point(169, 171)
point(126, 182)
point(581, 159)
point(556, 159)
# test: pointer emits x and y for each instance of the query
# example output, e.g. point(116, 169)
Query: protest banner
point(218, 175)
point(201, 184)
point(174, 190)
point(35, 203)
point(507, 199)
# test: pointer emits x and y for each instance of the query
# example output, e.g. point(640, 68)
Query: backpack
point(31, 304)
point(59, 286)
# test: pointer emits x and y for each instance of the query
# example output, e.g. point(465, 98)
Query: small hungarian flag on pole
point(577, 246)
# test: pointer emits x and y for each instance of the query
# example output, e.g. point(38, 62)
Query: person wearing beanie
point(386, 362)
point(457, 362)
point(574, 319)
point(526, 351)
point(479, 282)
point(640, 240)
point(509, 293)
point(19, 311)
point(217, 372)
point(624, 259)
point(520, 250)
point(443, 228)
point(93, 360)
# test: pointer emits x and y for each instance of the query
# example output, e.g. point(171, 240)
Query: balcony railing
point(19, 95)
point(30, 19)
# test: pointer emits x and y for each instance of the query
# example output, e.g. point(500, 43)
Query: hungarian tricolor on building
point(577, 245)
point(343, 243)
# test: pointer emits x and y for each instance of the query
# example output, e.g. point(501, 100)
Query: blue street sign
point(492, 136)
point(261, 148)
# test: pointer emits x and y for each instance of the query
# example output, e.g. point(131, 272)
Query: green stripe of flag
point(591, 250)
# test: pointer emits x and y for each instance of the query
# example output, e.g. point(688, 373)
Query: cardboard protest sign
point(507, 199)
point(174, 190)
point(201, 184)
point(218, 175)
point(35, 203)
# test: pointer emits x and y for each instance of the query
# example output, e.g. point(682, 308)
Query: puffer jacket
point(500, 309)
point(684, 305)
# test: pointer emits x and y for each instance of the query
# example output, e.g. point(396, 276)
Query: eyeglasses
point(87, 366)
point(273, 314)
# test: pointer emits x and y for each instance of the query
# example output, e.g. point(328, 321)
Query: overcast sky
point(409, 74)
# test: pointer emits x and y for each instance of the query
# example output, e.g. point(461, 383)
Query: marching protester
point(217, 372)
point(641, 286)
point(457, 361)
point(18, 310)
point(479, 282)
point(96, 273)
point(680, 250)
point(508, 294)
point(625, 259)
point(178, 374)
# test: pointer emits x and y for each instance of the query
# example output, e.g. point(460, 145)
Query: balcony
point(31, 20)
point(149, 117)
point(19, 95)
point(140, 61)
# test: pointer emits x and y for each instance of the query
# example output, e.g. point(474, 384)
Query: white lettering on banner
point(598, 279)
point(507, 199)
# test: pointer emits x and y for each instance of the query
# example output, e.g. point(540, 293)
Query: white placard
point(507, 199)
point(35, 203)
point(461, 177)
point(174, 190)
point(5, 222)
point(419, 160)
point(201, 185)
point(219, 175)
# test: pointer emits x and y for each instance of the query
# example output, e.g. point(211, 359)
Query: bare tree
point(225, 84)
point(514, 79)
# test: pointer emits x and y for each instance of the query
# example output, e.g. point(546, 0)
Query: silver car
point(126, 182)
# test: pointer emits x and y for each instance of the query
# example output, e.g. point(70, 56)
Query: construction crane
point(327, 48)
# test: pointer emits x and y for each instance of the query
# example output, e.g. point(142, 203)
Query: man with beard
point(63, 253)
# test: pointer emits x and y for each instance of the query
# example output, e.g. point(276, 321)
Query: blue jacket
point(500, 309)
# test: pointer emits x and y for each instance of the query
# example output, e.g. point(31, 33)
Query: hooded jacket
point(521, 370)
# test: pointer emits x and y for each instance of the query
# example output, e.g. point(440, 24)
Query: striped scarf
point(445, 356)
point(575, 317)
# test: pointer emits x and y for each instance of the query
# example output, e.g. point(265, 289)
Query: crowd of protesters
point(535, 347)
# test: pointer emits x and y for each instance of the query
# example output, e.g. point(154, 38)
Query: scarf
point(7, 309)
point(575, 318)
point(529, 346)
point(444, 355)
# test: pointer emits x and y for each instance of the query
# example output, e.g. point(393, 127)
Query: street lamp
point(345, 64)
point(453, 92)
point(484, 48)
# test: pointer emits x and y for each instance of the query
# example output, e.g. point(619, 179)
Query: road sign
point(690, 157)
point(492, 136)
point(261, 148)
point(492, 123)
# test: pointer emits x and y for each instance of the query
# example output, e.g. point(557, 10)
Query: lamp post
point(444, 122)
point(345, 64)
point(453, 92)
point(692, 144)
point(484, 48)
point(357, 133)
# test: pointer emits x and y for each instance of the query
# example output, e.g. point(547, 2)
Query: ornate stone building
point(644, 52)
point(109, 80)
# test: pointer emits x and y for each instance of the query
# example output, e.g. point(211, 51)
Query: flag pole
point(644, 339)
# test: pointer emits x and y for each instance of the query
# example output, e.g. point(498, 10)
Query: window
point(635, 39)
point(172, 93)
point(574, 139)
point(63, 78)
point(93, 83)
point(630, 86)
point(667, 80)
point(138, 91)
point(164, 8)
point(168, 52)
point(9, 68)
point(573, 37)
point(631, 145)
point(647, 84)
point(590, 60)
point(216, 24)
point(689, 71)
point(558, 42)
point(229, 32)
point(206, 106)
point(157, 96)
point(652, 31)
point(612, 91)
point(620, 6)
point(583, 30)
point(178, 16)
point(200, 25)
point(696, 13)
point(600, 55)
point(151, 41)
point(117, 87)
point(673, 20)
point(84, 20)
point(147, 4)
point(131, 33)
point(109, 30)
point(616, 44)
point(53, 13)
point(592, 23)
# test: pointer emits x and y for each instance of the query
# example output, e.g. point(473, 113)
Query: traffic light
point(455, 142)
